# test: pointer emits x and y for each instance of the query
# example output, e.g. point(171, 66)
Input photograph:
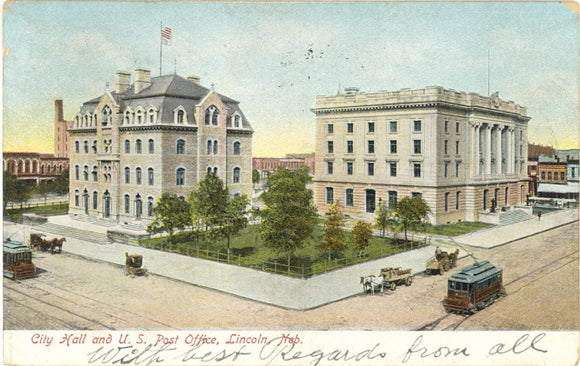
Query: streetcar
point(473, 288)
point(17, 260)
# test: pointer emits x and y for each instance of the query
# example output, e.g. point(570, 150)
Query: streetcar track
point(77, 295)
point(66, 325)
point(61, 309)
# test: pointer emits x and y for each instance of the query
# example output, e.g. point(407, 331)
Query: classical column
point(510, 151)
point(476, 129)
point(488, 149)
point(498, 129)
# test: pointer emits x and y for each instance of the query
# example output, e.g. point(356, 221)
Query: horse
point(372, 283)
point(56, 244)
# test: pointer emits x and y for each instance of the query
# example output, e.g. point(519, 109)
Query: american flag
point(165, 35)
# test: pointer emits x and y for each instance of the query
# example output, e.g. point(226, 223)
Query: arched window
point(215, 171)
point(127, 147)
point(214, 117)
point(180, 177)
point(139, 116)
point(77, 172)
point(208, 150)
point(180, 148)
point(209, 170)
point(76, 198)
point(180, 116)
point(151, 146)
point(127, 119)
point(236, 178)
point(95, 200)
point(211, 115)
point(150, 206)
point(107, 116)
point(215, 147)
point(138, 176)
point(86, 172)
point(138, 206)
point(207, 116)
point(237, 148)
point(77, 147)
point(138, 146)
point(95, 174)
point(150, 176)
point(127, 200)
point(127, 175)
point(94, 147)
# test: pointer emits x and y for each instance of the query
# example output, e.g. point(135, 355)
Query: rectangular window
point(555, 175)
point(371, 168)
point(371, 146)
point(349, 127)
point(457, 195)
point(446, 201)
point(393, 126)
point(456, 147)
point(392, 198)
point(330, 147)
point(446, 126)
point(371, 127)
point(417, 170)
point(330, 167)
point(393, 168)
point(349, 199)
point(549, 175)
point(457, 169)
point(416, 146)
point(417, 125)
point(416, 194)
point(393, 146)
point(349, 147)
point(329, 195)
point(446, 147)
point(349, 167)
point(562, 176)
point(543, 175)
point(445, 169)
point(456, 127)
point(330, 128)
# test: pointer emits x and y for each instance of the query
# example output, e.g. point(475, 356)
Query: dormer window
point(211, 115)
point(236, 121)
point(180, 116)
point(128, 117)
point(107, 116)
point(139, 116)
point(152, 115)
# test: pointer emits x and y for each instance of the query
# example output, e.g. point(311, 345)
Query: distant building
point(33, 167)
point(267, 166)
point(567, 154)
point(552, 170)
point(461, 152)
point(153, 136)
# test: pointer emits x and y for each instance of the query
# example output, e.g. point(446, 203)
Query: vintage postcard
point(290, 183)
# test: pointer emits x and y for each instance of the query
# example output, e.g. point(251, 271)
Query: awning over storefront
point(558, 188)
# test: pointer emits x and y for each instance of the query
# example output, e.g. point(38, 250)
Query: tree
point(361, 235)
point(61, 182)
point(333, 237)
point(410, 212)
point(255, 176)
point(209, 201)
point(14, 190)
point(385, 218)
point(290, 215)
point(43, 188)
point(234, 218)
point(171, 213)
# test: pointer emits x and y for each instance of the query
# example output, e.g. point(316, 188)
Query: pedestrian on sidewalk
point(539, 215)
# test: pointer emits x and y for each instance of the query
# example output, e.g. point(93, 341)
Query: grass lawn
point(455, 228)
point(49, 209)
point(247, 249)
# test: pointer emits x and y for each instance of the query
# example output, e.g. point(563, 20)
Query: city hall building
point(152, 136)
point(462, 152)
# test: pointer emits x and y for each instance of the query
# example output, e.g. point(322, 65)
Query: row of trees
point(19, 191)
point(408, 213)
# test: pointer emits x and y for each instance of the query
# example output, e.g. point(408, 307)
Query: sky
point(275, 58)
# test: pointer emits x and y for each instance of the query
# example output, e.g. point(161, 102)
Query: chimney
point(193, 79)
point(58, 113)
point(122, 81)
point(142, 79)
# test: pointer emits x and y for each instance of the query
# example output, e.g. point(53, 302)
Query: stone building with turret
point(153, 136)
point(462, 152)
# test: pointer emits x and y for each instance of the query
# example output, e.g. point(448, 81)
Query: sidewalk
point(494, 236)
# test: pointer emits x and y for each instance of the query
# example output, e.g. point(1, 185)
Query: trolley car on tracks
point(473, 288)
point(17, 259)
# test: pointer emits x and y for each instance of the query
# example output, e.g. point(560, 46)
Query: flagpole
point(161, 49)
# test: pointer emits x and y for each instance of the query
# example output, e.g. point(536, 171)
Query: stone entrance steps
point(71, 232)
point(513, 216)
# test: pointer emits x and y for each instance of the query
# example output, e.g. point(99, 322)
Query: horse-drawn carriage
point(390, 277)
point(134, 265)
point(442, 262)
point(54, 245)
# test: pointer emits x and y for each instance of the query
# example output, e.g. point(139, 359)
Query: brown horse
point(36, 240)
point(56, 245)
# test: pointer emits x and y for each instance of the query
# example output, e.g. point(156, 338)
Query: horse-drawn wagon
point(442, 262)
point(54, 245)
point(134, 265)
point(390, 277)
